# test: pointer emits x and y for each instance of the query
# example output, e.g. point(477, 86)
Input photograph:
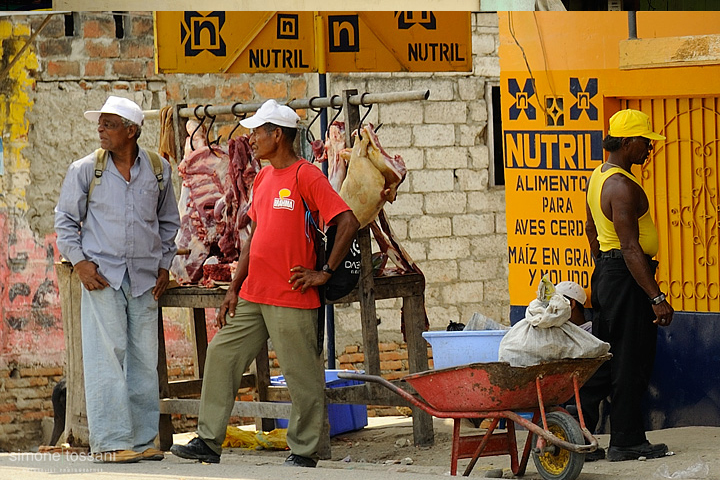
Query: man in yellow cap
point(627, 302)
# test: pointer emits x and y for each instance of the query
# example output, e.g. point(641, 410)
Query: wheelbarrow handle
point(550, 438)
point(418, 402)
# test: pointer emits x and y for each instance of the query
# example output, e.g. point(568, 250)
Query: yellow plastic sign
point(288, 42)
point(235, 42)
point(398, 41)
point(553, 141)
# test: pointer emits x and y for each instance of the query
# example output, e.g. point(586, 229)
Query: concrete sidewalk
point(692, 446)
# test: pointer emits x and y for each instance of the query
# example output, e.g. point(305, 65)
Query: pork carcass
point(372, 176)
point(204, 173)
point(232, 210)
point(337, 155)
point(385, 238)
point(214, 200)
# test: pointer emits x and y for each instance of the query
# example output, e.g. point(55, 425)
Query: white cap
point(118, 106)
point(571, 290)
point(272, 112)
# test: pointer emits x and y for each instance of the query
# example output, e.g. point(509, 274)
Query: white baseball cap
point(118, 106)
point(571, 290)
point(272, 112)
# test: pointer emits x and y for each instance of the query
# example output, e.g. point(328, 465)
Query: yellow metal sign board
point(234, 42)
point(398, 41)
point(288, 42)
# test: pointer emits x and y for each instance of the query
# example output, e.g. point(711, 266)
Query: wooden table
point(409, 287)
point(182, 396)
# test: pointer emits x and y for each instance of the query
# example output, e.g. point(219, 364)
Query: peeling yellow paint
point(5, 29)
point(15, 104)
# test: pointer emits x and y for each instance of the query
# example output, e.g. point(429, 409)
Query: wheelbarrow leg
point(528, 446)
point(512, 447)
point(455, 453)
point(482, 446)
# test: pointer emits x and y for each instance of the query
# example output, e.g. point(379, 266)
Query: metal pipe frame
point(299, 104)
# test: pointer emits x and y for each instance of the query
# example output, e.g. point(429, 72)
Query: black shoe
point(196, 449)
point(646, 449)
point(299, 461)
point(598, 454)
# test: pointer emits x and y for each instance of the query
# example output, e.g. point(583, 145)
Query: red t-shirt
point(280, 240)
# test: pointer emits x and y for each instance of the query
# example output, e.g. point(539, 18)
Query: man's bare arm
point(624, 197)
point(591, 232)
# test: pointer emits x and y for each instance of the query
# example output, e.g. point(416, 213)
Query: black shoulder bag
point(347, 274)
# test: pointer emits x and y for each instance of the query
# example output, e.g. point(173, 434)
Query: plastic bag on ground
point(699, 469)
point(236, 437)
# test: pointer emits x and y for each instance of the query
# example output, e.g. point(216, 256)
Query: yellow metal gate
point(682, 183)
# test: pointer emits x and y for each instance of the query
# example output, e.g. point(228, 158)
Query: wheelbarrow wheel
point(556, 463)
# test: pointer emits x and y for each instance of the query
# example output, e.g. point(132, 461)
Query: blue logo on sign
point(201, 32)
point(522, 99)
point(583, 97)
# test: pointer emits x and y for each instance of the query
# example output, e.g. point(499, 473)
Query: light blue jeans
point(120, 355)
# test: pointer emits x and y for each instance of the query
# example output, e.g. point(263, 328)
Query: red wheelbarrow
point(498, 391)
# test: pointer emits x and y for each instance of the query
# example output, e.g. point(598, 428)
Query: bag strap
point(309, 220)
point(101, 156)
point(100, 164)
point(157, 167)
point(320, 260)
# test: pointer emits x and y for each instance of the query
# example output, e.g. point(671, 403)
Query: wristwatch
point(658, 300)
point(326, 268)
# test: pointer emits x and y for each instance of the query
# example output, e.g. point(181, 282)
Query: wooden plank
point(165, 430)
point(192, 297)
point(368, 314)
point(361, 395)
point(670, 52)
point(187, 388)
point(395, 286)
point(76, 429)
point(240, 409)
point(199, 333)
point(414, 315)
point(262, 382)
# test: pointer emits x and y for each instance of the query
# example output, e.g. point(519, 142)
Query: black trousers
point(623, 317)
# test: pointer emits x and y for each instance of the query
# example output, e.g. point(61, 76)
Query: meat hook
point(308, 134)
point(339, 110)
point(369, 107)
point(241, 117)
point(201, 120)
point(207, 132)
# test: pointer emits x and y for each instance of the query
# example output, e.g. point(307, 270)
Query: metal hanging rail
point(317, 102)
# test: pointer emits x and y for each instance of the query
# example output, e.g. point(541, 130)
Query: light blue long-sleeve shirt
point(129, 226)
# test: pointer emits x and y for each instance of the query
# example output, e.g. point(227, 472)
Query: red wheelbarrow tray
point(497, 390)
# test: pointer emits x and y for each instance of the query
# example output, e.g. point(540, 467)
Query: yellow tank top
point(607, 237)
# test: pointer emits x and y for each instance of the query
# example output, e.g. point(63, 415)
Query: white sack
point(545, 335)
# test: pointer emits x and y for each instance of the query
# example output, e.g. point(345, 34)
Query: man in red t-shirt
point(274, 292)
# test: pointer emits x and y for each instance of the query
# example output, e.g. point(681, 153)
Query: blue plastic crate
point(343, 418)
point(451, 349)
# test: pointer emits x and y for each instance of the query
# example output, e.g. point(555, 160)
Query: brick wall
point(447, 215)
point(25, 399)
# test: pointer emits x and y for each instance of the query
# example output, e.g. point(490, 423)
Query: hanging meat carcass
point(372, 176)
point(213, 208)
point(336, 154)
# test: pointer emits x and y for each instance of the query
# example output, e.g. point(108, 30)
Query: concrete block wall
point(447, 216)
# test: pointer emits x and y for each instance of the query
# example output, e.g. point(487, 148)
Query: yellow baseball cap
point(632, 123)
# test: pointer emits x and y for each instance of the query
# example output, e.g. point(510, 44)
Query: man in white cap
point(628, 304)
point(116, 222)
point(577, 297)
point(274, 292)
